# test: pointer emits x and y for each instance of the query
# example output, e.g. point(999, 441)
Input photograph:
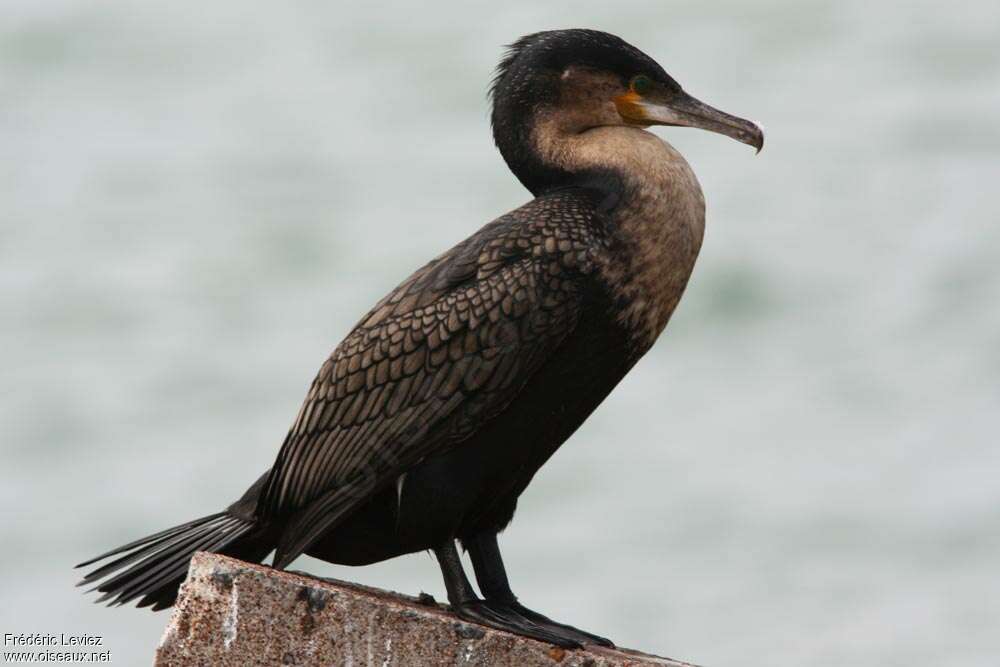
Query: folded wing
point(446, 351)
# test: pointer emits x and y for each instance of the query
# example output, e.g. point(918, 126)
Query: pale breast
point(660, 224)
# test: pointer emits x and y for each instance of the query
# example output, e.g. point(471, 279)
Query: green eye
point(641, 84)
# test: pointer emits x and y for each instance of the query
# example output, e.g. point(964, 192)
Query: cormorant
point(428, 421)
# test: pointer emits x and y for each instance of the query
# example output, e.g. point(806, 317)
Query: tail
point(154, 567)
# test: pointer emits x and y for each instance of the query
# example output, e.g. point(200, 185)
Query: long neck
point(659, 220)
point(514, 138)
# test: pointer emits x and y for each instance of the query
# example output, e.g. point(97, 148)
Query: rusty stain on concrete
point(235, 613)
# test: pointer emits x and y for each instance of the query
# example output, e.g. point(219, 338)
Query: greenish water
point(197, 200)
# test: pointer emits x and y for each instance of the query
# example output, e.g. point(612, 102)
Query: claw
point(582, 636)
point(504, 617)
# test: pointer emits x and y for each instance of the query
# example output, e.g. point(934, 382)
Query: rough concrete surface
point(235, 613)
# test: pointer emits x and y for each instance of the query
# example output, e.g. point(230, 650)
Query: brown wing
point(448, 349)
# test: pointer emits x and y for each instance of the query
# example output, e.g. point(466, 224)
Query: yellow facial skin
point(630, 108)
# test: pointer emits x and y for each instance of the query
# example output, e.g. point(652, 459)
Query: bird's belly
point(496, 465)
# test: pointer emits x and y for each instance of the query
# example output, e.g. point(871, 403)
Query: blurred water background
point(197, 200)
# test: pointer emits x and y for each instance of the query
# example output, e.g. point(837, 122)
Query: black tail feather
point(169, 567)
point(152, 568)
point(142, 550)
point(173, 558)
point(155, 537)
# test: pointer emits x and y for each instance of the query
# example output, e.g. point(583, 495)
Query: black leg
point(492, 578)
point(467, 606)
point(491, 575)
point(455, 582)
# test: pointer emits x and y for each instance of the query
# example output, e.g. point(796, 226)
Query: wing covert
point(443, 352)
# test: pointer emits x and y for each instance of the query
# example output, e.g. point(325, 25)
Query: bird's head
point(581, 79)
